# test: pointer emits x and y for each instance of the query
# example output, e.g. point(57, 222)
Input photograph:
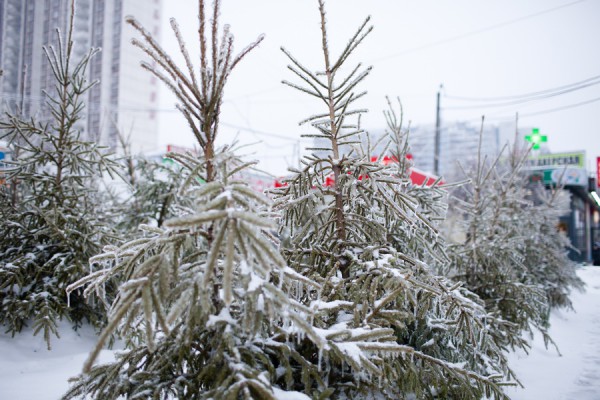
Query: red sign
point(416, 176)
point(419, 177)
point(172, 148)
point(598, 172)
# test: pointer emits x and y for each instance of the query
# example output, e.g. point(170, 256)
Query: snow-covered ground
point(576, 374)
point(28, 371)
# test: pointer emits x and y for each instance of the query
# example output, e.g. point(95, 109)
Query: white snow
point(29, 371)
point(328, 305)
point(282, 395)
point(224, 316)
point(575, 375)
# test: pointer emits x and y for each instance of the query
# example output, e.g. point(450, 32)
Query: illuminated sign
point(536, 138)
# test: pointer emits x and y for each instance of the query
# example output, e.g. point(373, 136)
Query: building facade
point(582, 223)
point(125, 98)
point(459, 144)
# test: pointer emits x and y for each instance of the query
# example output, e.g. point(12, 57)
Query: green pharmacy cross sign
point(535, 138)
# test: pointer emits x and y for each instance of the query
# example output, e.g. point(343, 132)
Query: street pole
point(436, 150)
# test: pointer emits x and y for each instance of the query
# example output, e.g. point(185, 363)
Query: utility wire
point(478, 31)
point(525, 99)
point(531, 114)
point(594, 79)
point(551, 110)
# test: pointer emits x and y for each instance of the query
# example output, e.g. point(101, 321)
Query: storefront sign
point(4, 160)
point(560, 176)
point(4, 157)
point(576, 159)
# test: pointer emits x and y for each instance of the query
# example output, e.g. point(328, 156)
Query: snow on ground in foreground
point(575, 375)
point(30, 372)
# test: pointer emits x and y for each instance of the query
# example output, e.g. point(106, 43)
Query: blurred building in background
point(126, 97)
point(459, 144)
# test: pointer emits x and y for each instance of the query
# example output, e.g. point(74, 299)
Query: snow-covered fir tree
point(425, 243)
point(52, 213)
point(208, 306)
point(362, 230)
point(546, 248)
point(149, 195)
point(508, 241)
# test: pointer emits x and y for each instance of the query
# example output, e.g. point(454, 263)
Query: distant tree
point(149, 195)
point(509, 240)
point(53, 220)
point(546, 249)
point(362, 230)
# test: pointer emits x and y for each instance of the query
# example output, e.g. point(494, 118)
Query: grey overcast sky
point(486, 48)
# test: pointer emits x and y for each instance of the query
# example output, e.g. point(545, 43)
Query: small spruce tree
point(361, 230)
point(431, 200)
point(545, 248)
point(52, 215)
point(147, 192)
point(208, 307)
point(150, 196)
point(500, 225)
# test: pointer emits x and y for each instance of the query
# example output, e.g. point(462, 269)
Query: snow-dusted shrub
point(52, 211)
point(363, 231)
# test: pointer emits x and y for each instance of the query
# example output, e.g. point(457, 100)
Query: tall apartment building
point(126, 97)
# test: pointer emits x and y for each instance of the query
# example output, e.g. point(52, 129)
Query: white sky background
point(540, 52)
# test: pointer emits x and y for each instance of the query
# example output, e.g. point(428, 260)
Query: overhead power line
point(592, 81)
point(541, 112)
point(551, 110)
point(534, 97)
